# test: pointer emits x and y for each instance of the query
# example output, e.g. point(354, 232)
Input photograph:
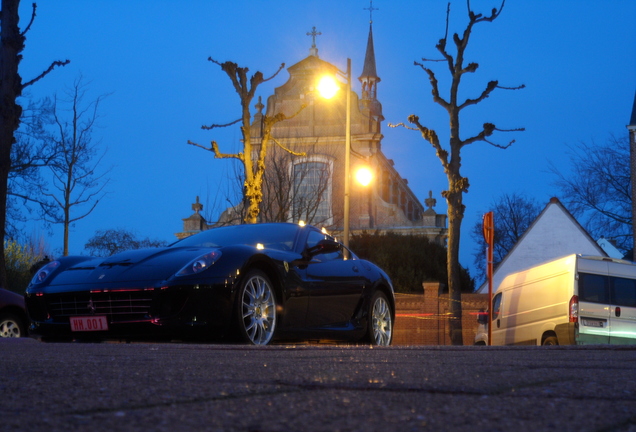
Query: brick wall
point(422, 319)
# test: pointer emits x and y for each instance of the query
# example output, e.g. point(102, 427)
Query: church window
point(311, 197)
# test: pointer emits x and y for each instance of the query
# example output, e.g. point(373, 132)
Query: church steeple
point(369, 104)
point(369, 77)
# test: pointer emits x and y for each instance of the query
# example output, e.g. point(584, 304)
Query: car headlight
point(200, 263)
point(44, 272)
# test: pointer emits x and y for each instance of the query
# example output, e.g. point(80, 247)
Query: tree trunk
point(10, 112)
point(455, 216)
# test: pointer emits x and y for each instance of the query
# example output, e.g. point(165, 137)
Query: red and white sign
point(89, 323)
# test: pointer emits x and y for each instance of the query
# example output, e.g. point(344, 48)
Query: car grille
point(118, 306)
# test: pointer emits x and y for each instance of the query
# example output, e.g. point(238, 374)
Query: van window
point(623, 292)
point(496, 304)
point(593, 288)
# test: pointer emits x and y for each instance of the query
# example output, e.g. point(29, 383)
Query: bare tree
point(451, 158)
point(111, 241)
point(253, 170)
point(514, 213)
point(598, 189)
point(31, 151)
point(12, 42)
point(296, 186)
point(75, 181)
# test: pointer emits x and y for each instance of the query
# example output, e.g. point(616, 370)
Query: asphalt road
point(191, 387)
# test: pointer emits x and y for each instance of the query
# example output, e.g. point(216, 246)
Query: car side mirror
point(324, 246)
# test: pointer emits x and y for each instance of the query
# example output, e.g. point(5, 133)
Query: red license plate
point(89, 323)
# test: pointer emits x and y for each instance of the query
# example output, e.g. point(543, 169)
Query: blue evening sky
point(577, 59)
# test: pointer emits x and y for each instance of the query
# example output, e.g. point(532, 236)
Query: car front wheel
point(256, 309)
point(11, 326)
point(380, 320)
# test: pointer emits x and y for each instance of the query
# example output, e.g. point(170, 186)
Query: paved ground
point(190, 387)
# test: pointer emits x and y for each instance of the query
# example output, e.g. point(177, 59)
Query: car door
point(594, 309)
point(622, 316)
point(335, 284)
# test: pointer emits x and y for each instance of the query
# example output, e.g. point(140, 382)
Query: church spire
point(369, 71)
point(370, 79)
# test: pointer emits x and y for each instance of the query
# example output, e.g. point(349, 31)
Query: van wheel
point(550, 340)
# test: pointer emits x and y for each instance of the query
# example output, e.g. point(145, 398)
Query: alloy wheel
point(9, 328)
point(381, 321)
point(258, 307)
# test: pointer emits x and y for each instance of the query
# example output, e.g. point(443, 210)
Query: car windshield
point(270, 236)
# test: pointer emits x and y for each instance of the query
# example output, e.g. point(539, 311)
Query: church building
point(305, 169)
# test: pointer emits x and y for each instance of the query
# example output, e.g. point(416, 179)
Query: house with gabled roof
point(553, 234)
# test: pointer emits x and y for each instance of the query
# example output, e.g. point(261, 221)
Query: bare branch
point(499, 145)
point(30, 22)
point(214, 148)
point(46, 72)
point(442, 42)
point(511, 130)
point(487, 131)
point(402, 125)
point(282, 65)
point(288, 150)
point(494, 13)
point(522, 86)
point(435, 89)
point(489, 89)
point(219, 126)
point(431, 136)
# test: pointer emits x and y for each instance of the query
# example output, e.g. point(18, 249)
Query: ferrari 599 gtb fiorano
point(253, 283)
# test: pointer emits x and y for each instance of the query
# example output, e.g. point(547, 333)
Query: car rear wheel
point(380, 320)
point(550, 340)
point(11, 326)
point(256, 309)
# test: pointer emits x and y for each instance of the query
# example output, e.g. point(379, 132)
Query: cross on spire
point(371, 9)
point(313, 33)
point(197, 207)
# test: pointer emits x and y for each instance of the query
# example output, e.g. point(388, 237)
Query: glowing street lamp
point(330, 90)
point(328, 87)
point(364, 176)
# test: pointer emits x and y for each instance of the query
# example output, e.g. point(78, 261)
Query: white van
point(576, 299)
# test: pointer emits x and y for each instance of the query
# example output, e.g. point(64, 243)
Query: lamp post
point(347, 185)
point(328, 88)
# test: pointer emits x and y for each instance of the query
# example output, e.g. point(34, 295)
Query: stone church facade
point(304, 178)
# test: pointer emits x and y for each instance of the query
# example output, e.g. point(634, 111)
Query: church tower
point(369, 104)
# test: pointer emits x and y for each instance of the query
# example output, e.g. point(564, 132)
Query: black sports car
point(258, 283)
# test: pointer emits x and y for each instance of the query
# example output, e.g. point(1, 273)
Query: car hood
point(157, 264)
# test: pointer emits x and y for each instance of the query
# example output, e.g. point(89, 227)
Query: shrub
point(19, 260)
point(409, 260)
